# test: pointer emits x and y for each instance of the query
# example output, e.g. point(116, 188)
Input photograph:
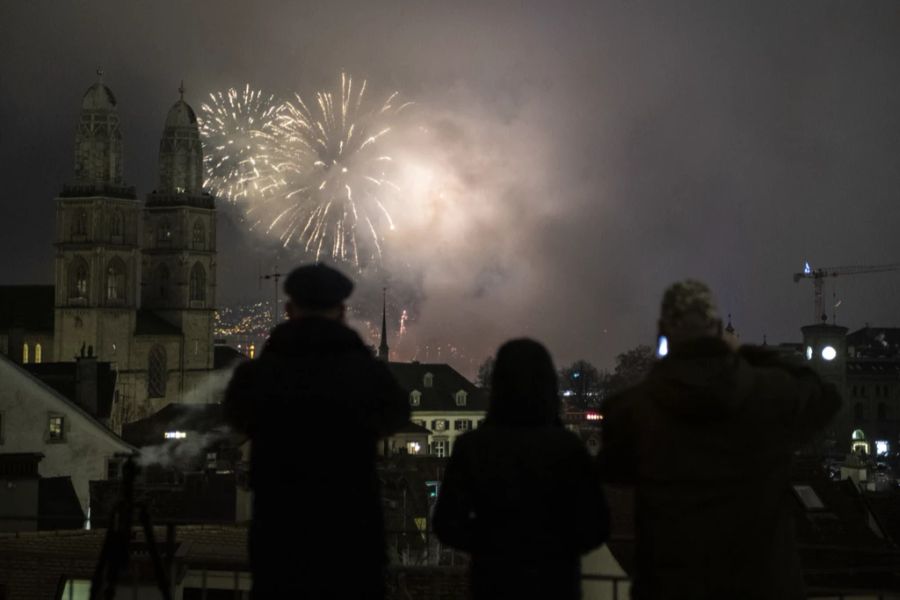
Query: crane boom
point(818, 277)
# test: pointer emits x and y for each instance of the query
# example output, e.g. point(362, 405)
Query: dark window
point(112, 468)
point(79, 223)
point(78, 278)
point(162, 282)
point(882, 411)
point(164, 232)
point(156, 373)
point(462, 424)
point(859, 411)
point(198, 283)
point(115, 223)
point(855, 392)
point(115, 280)
point(199, 235)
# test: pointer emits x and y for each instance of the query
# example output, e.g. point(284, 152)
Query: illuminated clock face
point(809, 353)
point(440, 425)
point(829, 353)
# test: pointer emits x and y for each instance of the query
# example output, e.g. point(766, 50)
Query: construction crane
point(818, 278)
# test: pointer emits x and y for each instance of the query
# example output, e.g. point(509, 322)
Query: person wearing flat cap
point(706, 441)
point(314, 404)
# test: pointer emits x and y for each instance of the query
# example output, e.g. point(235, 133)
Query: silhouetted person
point(313, 404)
point(707, 441)
point(521, 494)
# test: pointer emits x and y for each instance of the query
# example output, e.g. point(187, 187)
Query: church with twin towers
point(135, 281)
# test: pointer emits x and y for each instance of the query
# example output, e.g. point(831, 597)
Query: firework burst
point(334, 174)
point(236, 149)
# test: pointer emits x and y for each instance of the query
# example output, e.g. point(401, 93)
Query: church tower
point(179, 248)
point(97, 220)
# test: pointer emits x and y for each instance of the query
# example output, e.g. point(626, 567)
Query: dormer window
point(461, 398)
point(428, 380)
point(415, 398)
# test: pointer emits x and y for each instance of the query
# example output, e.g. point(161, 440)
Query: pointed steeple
point(383, 351)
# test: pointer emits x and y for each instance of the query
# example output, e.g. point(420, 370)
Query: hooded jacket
point(314, 404)
point(707, 441)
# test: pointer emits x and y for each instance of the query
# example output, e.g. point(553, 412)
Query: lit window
point(461, 398)
point(175, 435)
point(428, 380)
point(593, 416)
point(413, 447)
point(829, 353)
point(38, 354)
point(25, 354)
point(415, 398)
point(439, 448)
point(881, 447)
point(55, 428)
point(809, 353)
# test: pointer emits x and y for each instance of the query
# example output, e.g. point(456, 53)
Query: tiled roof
point(149, 323)
point(875, 342)
point(62, 376)
point(226, 356)
point(150, 430)
point(28, 306)
point(12, 369)
point(32, 565)
point(446, 382)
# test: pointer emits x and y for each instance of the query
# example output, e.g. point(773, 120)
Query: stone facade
point(134, 282)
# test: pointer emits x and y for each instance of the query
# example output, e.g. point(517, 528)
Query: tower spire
point(383, 351)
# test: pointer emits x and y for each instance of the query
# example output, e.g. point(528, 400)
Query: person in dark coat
point(707, 441)
point(521, 494)
point(313, 405)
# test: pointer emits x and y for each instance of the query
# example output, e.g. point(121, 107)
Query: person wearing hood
point(313, 405)
point(707, 441)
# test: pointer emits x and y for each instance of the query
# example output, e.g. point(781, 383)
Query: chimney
point(86, 385)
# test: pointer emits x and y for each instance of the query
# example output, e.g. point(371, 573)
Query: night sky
point(599, 150)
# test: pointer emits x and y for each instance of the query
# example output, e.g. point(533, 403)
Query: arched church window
point(199, 235)
point(115, 223)
point(24, 354)
point(38, 353)
point(162, 282)
point(198, 283)
point(156, 372)
point(78, 278)
point(115, 280)
point(164, 232)
point(79, 223)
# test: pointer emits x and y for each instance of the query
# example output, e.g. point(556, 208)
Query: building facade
point(134, 281)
